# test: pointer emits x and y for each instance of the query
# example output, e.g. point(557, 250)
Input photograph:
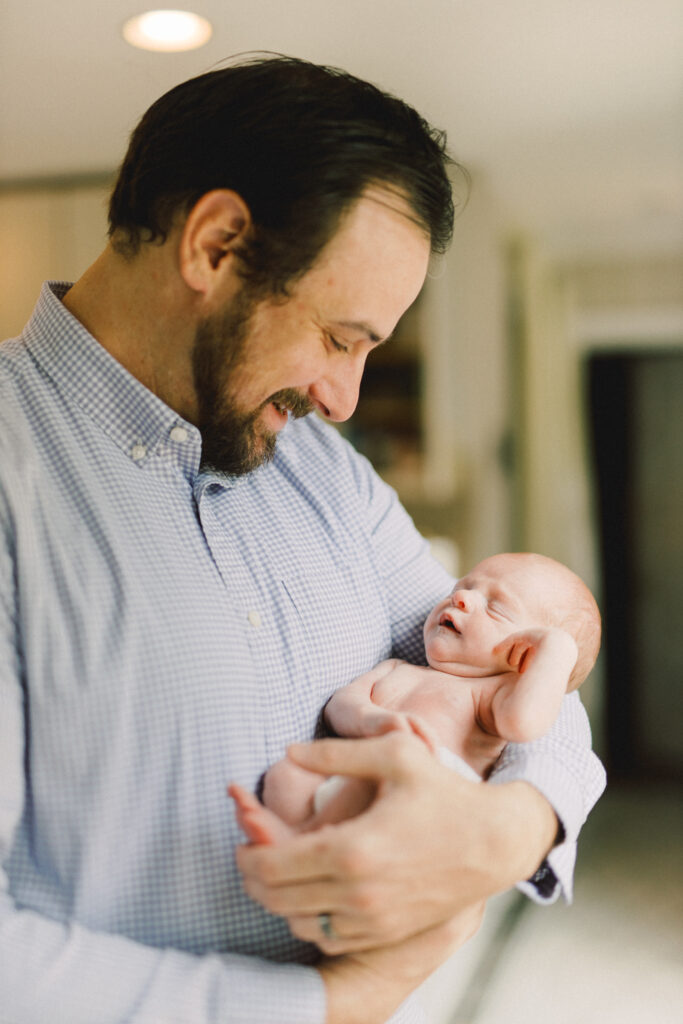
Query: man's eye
point(337, 344)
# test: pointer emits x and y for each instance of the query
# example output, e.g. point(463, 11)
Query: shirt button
point(254, 619)
point(178, 434)
point(137, 452)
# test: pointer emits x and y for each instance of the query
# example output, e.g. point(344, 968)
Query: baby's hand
point(519, 649)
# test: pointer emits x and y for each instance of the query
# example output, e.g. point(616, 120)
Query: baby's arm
point(352, 712)
point(527, 701)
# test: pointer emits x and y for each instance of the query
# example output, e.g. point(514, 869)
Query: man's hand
point(430, 846)
point(366, 988)
point(377, 721)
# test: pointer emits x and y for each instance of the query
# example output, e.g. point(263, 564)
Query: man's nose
point(336, 393)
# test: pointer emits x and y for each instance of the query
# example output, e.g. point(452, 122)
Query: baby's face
point(498, 597)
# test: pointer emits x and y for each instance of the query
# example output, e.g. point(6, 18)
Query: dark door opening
point(636, 409)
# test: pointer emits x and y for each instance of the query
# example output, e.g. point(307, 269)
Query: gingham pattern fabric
point(164, 631)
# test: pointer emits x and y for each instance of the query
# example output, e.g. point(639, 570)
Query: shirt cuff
point(567, 797)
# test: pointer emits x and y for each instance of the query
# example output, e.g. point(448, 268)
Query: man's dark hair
point(299, 142)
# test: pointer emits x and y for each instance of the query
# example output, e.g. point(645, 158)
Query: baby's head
point(504, 594)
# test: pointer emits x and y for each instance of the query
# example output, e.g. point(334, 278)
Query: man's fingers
point(297, 900)
point(393, 756)
point(285, 863)
point(345, 937)
point(310, 857)
point(360, 917)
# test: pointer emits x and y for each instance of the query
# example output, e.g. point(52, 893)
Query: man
point(190, 565)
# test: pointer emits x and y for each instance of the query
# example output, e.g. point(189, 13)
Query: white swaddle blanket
point(456, 763)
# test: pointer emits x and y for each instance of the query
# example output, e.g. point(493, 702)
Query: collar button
point(178, 434)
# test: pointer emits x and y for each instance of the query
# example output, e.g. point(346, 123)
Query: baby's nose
point(466, 600)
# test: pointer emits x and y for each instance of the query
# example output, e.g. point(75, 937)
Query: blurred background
point(531, 400)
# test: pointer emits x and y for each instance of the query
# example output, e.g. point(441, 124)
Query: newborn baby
point(517, 633)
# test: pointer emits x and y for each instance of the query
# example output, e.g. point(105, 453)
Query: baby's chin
point(457, 668)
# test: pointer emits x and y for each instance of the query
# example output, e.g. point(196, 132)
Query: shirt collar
point(129, 413)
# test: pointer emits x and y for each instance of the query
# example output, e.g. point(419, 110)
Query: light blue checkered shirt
point(162, 632)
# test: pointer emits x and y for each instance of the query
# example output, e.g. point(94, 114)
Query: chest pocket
point(344, 621)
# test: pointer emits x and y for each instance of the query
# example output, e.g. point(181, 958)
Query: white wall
point(46, 233)
point(571, 310)
point(467, 393)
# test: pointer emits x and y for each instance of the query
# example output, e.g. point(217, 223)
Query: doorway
point(636, 410)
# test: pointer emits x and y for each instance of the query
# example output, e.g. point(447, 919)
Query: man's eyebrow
point(364, 328)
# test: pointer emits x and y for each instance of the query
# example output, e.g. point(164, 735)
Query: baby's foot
point(259, 824)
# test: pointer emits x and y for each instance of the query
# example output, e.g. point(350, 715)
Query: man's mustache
point(297, 403)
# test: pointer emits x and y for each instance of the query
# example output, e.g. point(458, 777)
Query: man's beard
point(232, 441)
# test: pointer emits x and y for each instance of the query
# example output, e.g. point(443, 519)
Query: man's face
point(233, 440)
point(255, 363)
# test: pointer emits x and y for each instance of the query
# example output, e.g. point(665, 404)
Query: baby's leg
point(289, 790)
point(262, 825)
point(293, 794)
point(338, 799)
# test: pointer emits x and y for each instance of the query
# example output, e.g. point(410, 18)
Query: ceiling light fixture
point(167, 31)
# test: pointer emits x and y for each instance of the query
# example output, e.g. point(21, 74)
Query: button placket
point(138, 452)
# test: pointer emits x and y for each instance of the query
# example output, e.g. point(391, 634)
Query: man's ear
point(215, 226)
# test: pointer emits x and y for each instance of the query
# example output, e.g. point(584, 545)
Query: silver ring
point(325, 925)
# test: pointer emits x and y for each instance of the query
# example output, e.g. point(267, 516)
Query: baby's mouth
point(448, 623)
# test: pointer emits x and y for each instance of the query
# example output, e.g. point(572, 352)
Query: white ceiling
point(572, 110)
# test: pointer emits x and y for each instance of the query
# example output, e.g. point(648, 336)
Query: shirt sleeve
point(63, 972)
point(59, 971)
point(561, 765)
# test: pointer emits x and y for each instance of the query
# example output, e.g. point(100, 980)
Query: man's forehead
point(370, 271)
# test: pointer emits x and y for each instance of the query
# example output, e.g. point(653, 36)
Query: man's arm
point(365, 988)
point(50, 971)
point(561, 767)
